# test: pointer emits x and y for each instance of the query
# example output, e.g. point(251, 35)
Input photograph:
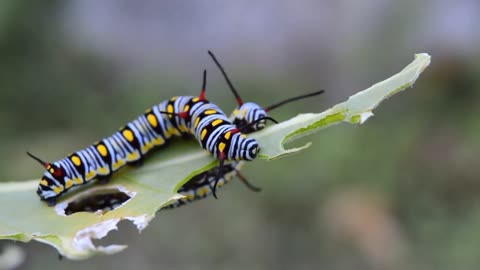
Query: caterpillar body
point(250, 117)
point(200, 186)
point(174, 117)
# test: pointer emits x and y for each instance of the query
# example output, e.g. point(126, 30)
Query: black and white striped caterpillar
point(201, 185)
point(174, 117)
point(249, 115)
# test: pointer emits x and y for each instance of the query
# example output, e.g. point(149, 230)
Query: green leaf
point(23, 217)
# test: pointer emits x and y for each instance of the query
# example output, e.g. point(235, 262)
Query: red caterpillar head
point(50, 185)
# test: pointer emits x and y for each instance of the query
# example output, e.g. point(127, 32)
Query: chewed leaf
point(356, 110)
point(136, 194)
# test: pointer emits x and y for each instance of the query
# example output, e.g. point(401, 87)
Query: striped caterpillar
point(174, 117)
point(249, 115)
point(200, 186)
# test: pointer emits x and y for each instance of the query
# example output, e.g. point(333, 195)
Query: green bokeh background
point(401, 191)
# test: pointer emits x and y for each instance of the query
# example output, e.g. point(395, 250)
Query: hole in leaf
point(125, 229)
point(103, 200)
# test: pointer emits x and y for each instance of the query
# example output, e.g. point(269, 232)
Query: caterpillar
point(249, 115)
point(174, 117)
point(200, 186)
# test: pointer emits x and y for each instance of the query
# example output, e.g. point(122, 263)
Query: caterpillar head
point(249, 115)
point(249, 149)
point(50, 186)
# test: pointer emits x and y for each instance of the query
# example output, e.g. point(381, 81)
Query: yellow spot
point(68, 183)
point(243, 136)
point(244, 112)
point(147, 147)
point(90, 175)
point(208, 112)
point(236, 111)
point(167, 133)
point(152, 120)
point(118, 164)
point(159, 141)
point(44, 182)
point(78, 181)
point(187, 107)
point(204, 132)
point(203, 191)
point(76, 160)
point(217, 122)
point(197, 122)
point(173, 131)
point(170, 108)
point(221, 146)
point(183, 128)
point(227, 135)
point(57, 190)
point(174, 98)
point(148, 111)
point(103, 170)
point(128, 134)
point(52, 170)
point(133, 156)
point(102, 150)
point(190, 197)
point(195, 99)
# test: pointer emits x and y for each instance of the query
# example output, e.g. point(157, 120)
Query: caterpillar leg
point(103, 179)
point(138, 163)
point(186, 136)
point(220, 173)
point(247, 183)
point(51, 201)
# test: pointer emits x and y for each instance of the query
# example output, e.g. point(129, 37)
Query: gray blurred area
point(399, 192)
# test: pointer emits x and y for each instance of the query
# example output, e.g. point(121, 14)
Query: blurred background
point(400, 192)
